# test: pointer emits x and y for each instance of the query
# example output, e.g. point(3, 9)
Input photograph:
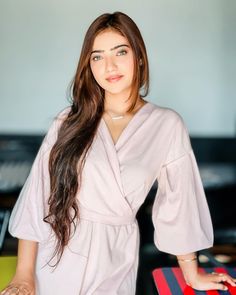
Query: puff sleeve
point(180, 213)
point(26, 221)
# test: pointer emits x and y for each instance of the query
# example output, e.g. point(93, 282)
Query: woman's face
point(112, 63)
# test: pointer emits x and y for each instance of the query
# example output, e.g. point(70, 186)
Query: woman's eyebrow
point(121, 45)
point(113, 48)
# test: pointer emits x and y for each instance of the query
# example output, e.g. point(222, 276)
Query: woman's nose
point(110, 64)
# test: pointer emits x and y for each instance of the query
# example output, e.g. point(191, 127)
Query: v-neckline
point(115, 144)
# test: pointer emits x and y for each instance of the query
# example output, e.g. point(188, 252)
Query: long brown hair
point(77, 131)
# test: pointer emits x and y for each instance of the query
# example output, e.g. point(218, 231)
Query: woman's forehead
point(109, 39)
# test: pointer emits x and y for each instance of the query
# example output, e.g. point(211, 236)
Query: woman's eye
point(96, 57)
point(122, 52)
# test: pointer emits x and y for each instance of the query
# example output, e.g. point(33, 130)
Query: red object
point(170, 281)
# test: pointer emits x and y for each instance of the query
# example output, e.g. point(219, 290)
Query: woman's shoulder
point(56, 124)
point(61, 115)
point(166, 114)
point(170, 123)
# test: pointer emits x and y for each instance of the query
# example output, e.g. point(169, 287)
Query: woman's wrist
point(24, 276)
point(189, 266)
point(187, 259)
point(27, 272)
point(191, 277)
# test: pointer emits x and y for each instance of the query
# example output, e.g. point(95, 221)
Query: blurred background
point(192, 53)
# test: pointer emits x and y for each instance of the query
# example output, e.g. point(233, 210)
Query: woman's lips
point(114, 78)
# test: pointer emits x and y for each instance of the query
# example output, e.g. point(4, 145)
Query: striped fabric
point(170, 281)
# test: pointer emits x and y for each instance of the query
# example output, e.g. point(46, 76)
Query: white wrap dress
point(102, 256)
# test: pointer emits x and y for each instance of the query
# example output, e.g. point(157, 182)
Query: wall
point(191, 46)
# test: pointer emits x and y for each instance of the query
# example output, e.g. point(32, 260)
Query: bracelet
point(188, 260)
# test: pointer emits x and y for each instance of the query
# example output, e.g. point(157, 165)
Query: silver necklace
point(115, 117)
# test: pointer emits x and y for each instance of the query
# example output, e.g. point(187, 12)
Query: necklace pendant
point(117, 117)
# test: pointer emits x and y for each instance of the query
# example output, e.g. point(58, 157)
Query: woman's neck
point(119, 105)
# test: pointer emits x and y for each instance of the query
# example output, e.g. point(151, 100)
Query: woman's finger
point(11, 291)
point(223, 277)
point(5, 291)
point(15, 290)
point(219, 286)
point(24, 291)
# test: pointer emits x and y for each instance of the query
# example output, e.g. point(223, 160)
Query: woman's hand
point(20, 286)
point(23, 283)
point(212, 281)
point(202, 281)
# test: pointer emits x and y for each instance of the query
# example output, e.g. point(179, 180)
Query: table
point(170, 281)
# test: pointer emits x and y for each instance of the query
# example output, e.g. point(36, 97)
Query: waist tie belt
point(86, 214)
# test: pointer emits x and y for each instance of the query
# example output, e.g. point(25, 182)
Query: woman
point(75, 217)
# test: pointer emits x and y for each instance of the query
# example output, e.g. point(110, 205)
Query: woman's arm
point(24, 278)
point(27, 251)
point(202, 281)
